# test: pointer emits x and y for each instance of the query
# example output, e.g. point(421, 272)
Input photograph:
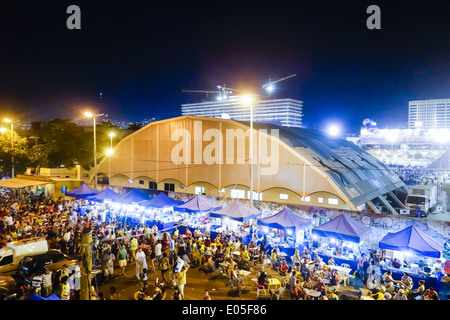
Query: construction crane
point(269, 87)
point(222, 92)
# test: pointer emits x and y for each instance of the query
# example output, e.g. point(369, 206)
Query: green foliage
point(64, 144)
point(57, 143)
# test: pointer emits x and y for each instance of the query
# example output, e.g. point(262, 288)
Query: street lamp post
point(93, 116)
point(109, 153)
point(111, 135)
point(12, 146)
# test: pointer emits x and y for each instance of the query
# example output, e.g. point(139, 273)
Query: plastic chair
point(232, 284)
point(260, 288)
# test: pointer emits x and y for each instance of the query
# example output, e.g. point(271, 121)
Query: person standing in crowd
point(122, 256)
point(109, 267)
point(158, 253)
point(65, 288)
point(181, 279)
point(141, 262)
point(47, 289)
point(164, 267)
point(296, 260)
point(133, 248)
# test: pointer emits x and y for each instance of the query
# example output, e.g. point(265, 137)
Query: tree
point(64, 144)
point(19, 149)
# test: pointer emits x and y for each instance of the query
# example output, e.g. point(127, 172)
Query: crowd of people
point(412, 175)
point(118, 244)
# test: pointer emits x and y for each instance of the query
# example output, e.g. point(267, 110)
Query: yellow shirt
point(65, 291)
point(134, 244)
point(181, 277)
point(245, 256)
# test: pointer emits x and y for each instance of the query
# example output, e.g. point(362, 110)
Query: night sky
point(141, 54)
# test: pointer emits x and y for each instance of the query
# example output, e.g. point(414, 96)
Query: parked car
point(13, 252)
point(32, 265)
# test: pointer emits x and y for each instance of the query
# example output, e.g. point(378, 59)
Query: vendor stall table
point(340, 260)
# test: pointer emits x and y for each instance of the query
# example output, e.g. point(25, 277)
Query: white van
point(13, 252)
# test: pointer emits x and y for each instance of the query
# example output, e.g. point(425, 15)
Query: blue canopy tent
point(198, 204)
point(236, 211)
point(38, 297)
point(285, 220)
point(107, 194)
point(342, 228)
point(414, 240)
point(161, 201)
point(134, 196)
point(82, 192)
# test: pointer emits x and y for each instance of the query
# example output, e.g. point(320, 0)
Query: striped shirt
point(47, 280)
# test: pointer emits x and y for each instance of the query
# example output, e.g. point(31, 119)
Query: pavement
point(443, 216)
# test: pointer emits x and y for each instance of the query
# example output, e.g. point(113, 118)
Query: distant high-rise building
point(284, 112)
point(429, 114)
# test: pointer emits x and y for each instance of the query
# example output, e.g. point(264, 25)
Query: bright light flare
point(334, 130)
point(109, 152)
point(247, 99)
point(441, 136)
point(88, 114)
point(270, 88)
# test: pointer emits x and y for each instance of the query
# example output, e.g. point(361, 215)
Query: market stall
point(231, 218)
point(416, 253)
point(82, 192)
point(159, 211)
point(128, 206)
point(290, 233)
point(103, 202)
point(195, 213)
point(341, 238)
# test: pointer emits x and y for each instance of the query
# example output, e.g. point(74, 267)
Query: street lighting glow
point(270, 88)
point(441, 136)
point(394, 135)
point(88, 114)
point(334, 130)
point(7, 120)
point(247, 99)
point(109, 152)
point(112, 134)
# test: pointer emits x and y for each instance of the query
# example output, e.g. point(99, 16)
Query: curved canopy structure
point(342, 228)
point(161, 201)
point(414, 240)
point(193, 155)
point(82, 192)
point(236, 211)
point(285, 220)
point(197, 204)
